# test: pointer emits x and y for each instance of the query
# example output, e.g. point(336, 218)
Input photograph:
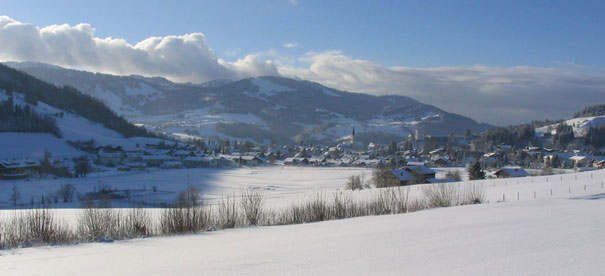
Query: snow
point(280, 184)
point(202, 120)
point(215, 83)
point(21, 145)
point(72, 127)
point(142, 90)
point(558, 235)
point(269, 88)
point(113, 101)
point(330, 92)
point(580, 126)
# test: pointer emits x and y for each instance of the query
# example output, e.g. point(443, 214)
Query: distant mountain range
point(262, 109)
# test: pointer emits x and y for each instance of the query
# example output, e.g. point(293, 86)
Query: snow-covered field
point(276, 182)
point(558, 234)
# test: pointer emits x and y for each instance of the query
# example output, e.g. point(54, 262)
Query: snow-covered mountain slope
point(21, 145)
point(550, 235)
point(268, 108)
point(72, 127)
point(580, 126)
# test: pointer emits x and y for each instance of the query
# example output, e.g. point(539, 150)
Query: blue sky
point(391, 33)
point(500, 62)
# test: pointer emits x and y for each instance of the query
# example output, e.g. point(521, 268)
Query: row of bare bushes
point(190, 214)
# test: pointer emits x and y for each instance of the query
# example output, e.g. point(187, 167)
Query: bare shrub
point(317, 208)
point(97, 224)
point(399, 198)
point(389, 201)
point(252, 203)
point(440, 195)
point(454, 174)
point(416, 205)
point(184, 219)
point(137, 224)
point(33, 228)
point(354, 183)
point(474, 194)
point(342, 206)
point(66, 192)
point(189, 197)
point(380, 203)
point(293, 214)
point(227, 212)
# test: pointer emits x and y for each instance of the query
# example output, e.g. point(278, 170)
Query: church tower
point(353, 136)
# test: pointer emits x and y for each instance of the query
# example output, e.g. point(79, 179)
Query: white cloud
point(293, 2)
point(291, 44)
point(180, 58)
point(498, 95)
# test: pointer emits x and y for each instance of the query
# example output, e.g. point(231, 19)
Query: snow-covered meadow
point(276, 182)
point(558, 234)
point(279, 185)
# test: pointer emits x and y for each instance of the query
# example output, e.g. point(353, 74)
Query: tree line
point(591, 111)
point(23, 119)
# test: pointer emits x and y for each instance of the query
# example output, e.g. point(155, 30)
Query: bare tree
point(15, 195)
point(354, 183)
point(67, 192)
point(455, 174)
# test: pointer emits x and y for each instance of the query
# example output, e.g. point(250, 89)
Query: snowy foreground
point(560, 234)
point(541, 237)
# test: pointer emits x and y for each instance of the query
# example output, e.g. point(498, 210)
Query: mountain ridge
point(269, 108)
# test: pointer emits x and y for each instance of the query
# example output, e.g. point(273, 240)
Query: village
point(411, 162)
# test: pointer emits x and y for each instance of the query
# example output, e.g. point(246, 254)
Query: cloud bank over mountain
point(179, 58)
point(497, 95)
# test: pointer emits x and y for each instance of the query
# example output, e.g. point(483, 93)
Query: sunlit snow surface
point(558, 234)
point(547, 236)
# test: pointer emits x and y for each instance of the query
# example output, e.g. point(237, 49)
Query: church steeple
point(353, 136)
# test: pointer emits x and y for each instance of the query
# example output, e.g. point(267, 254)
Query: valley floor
point(547, 236)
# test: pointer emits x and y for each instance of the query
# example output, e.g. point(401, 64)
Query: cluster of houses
point(412, 156)
point(18, 168)
point(182, 157)
point(544, 158)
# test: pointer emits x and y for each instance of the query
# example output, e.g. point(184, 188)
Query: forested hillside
point(591, 111)
point(64, 98)
point(23, 119)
